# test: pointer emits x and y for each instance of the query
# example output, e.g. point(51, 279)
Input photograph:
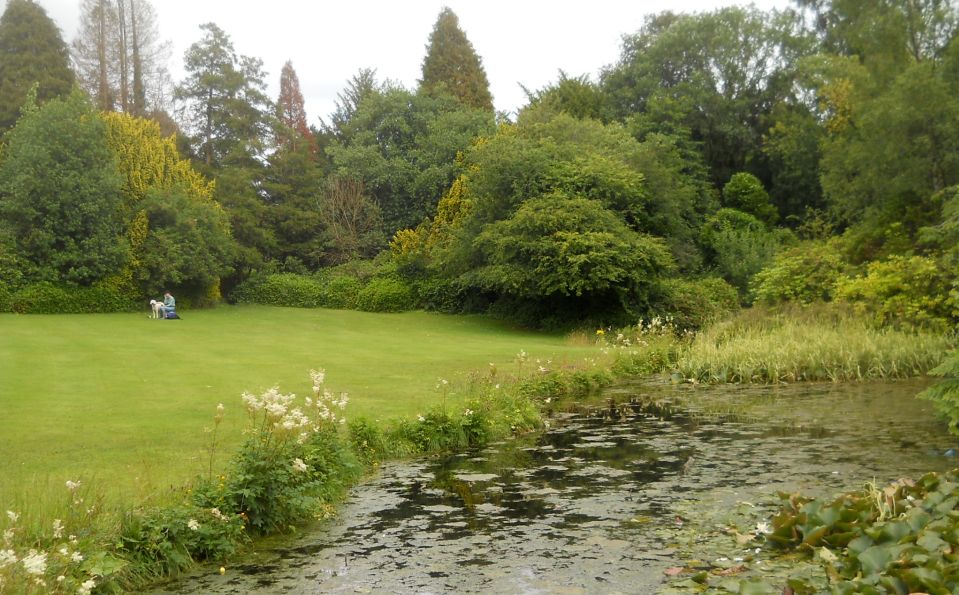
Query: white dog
point(157, 308)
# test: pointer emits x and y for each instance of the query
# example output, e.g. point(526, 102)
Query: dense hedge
point(327, 290)
point(50, 298)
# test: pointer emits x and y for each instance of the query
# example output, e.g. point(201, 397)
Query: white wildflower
point(35, 563)
point(420, 418)
point(57, 528)
point(299, 465)
point(762, 528)
point(468, 412)
point(73, 539)
point(76, 557)
point(193, 525)
point(543, 370)
point(8, 536)
point(61, 578)
point(548, 400)
point(219, 408)
point(318, 377)
point(7, 557)
point(252, 403)
point(342, 420)
point(86, 587)
point(64, 551)
point(218, 515)
point(13, 516)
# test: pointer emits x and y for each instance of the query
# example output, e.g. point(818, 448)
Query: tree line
point(721, 157)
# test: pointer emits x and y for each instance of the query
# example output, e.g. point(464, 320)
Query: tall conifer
point(32, 51)
point(452, 65)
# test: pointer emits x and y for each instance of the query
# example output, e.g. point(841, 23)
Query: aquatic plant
point(768, 347)
point(901, 538)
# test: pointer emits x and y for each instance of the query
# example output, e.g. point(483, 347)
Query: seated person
point(169, 303)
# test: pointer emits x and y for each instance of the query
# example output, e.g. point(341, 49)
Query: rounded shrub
point(803, 274)
point(694, 303)
point(386, 295)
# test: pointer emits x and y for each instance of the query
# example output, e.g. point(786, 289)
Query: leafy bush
point(49, 298)
point(341, 292)
point(386, 295)
point(745, 192)
point(281, 289)
point(902, 290)
point(442, 295)
point(738, 245)
point(945, 395)
point(166, 541)
point(292, 463)
point(803, 274)
point(694, 303)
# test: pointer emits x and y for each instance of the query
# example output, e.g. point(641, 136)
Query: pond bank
point(608, 502)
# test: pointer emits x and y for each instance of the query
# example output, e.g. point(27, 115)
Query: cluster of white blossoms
point(324, 402)
point(35, 563)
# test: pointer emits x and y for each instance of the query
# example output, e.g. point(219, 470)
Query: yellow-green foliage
point(911, 290)
point(803, 274)
point(147, 160)
point(452, 210)
point(767, 348)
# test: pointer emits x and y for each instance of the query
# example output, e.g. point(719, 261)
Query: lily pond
point(659, 489)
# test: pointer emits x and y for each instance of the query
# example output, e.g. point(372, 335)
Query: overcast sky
point(520, 41)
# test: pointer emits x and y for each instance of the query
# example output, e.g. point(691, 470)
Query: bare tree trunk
point(139, 93)
point(122, 49)
point(104, 93)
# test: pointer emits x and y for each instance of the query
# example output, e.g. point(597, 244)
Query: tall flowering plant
point(280, 469)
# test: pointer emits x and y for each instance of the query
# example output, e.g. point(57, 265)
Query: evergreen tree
point(452, 65)
point(32, 51)
point(291, 113)
point(225, 106)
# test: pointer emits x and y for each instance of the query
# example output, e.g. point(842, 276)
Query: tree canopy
point(452, 65)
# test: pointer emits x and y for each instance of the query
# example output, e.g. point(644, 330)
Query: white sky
point(520, 41)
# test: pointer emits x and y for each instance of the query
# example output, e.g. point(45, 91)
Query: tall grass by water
point(808, 345)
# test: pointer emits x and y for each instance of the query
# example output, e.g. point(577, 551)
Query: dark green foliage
point(188, 244)
point(444, 295)
point(49, 298)
point(945, 394)
point(737, 245)
point(554, 245)
point(745, 192)
point(32, 52)
point(402, 147)
point(161, 542)
point(386, 294)
point(693, 304)
point(284, 289)
point(60, 194)
point(803, 274)
point(715, 74)
point(452, 65)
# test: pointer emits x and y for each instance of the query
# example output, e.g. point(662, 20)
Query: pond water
point(607, 501)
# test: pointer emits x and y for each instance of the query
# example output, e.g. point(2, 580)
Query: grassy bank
point(298, 457)
point(122, 401)
point(808, 345)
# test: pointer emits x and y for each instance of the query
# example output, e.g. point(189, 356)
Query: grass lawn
point(121, 401)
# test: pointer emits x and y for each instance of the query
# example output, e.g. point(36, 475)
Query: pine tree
point(453, 66)
point(291, 112)
point(32, 51)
